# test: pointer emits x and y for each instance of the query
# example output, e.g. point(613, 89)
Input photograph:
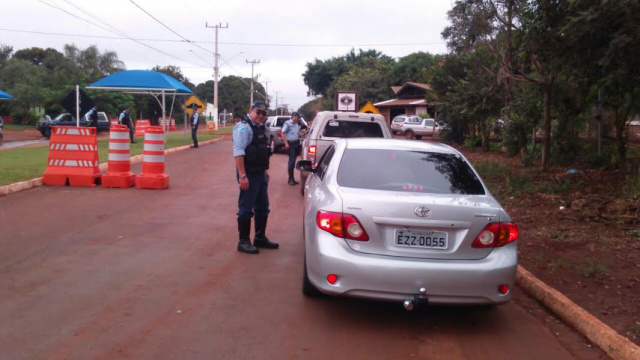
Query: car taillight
point(496, 234)
point(312, 155)
point(341, 225)
point(279, 133)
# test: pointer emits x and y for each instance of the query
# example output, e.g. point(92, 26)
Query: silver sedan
point(406, 221)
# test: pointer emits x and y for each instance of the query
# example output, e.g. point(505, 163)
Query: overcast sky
point(282, 34)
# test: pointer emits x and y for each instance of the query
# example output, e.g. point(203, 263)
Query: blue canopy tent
point(145, 82)
point(5, 96)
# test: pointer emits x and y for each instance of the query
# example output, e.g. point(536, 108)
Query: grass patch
point(28, 163)
point(491, 170)
point(225, 130)
point(559, 263)
point(591, 269)
point(19, 127)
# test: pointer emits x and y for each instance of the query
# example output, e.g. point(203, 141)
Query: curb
point(26, 185)
point(614, 344)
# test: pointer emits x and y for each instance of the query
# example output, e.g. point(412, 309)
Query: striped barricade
point(114, 122)
point(73, 157)
point(171, 123)
point(153, 176)
point(119, 173)
point(141, 126)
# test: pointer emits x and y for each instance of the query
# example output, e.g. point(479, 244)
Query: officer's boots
point(244, 231)
point(260, 240)
point(292, 181)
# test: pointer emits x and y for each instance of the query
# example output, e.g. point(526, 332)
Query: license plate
point(421, 239)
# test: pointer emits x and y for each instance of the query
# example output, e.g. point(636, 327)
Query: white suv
point(414, 127)
point(328, 126)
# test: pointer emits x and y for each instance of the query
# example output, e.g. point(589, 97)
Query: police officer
point(194, 126)
point(251, 152)
point(125, 119)
point(91, 117)
point(290, 137)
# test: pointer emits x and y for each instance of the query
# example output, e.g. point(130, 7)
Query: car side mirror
point(305, 165)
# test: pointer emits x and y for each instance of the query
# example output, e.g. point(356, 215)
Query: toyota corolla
point(404, 221)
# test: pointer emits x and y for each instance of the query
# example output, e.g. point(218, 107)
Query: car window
point(399, 119)
point(351, 129)
point(324, 162)
point(281, 121)
point(408, 171)
point(428, 122)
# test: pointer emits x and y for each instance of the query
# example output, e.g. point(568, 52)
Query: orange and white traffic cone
point(119, 174)
point(153, 176)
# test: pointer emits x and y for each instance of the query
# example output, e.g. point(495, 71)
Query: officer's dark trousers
point(294, 151)
point(130, 131)
point(194, 135)
point(255, 199)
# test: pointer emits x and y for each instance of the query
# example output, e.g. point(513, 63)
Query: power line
point(109, 30)
point(167, 27)
point(211, 42)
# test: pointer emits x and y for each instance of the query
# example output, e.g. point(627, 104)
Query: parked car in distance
point(274, 125)
point(414, 127)
point(66, 119)
point(404, 221)
point(328, 126)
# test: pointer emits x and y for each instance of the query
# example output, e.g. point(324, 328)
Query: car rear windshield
point(408, 171)
point(399, 119)
point(352, 129)
point(281, 120)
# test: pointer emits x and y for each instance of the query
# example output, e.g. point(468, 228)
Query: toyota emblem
point(422, 211)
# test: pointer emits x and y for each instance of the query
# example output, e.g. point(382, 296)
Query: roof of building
point(401, 102)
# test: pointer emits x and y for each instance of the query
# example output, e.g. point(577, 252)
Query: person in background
point(125, 119)
point(237, 116)
point(47, 122)
point(194, 126)
point(291, 138)
point(91, 117)
point(251, 153)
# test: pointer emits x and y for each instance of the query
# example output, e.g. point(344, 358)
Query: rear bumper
point(394, 278)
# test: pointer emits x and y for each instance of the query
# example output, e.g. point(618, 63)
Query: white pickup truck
point(414, 127)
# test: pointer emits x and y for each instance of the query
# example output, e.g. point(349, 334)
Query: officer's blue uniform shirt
point(242, 136)
point(122, 115)
point(291, 130)
point(195, 118)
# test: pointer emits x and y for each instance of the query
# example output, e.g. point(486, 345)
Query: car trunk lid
point(408, 224)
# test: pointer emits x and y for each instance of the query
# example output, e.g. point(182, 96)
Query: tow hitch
point(420, 299)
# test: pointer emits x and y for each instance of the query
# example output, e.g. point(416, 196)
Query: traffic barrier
point(141, 126)
point(114, 121)
point(119, 173)
point(73, 157)
point(172, 123)
point(153, 176)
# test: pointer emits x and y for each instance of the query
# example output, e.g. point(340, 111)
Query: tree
point(234, 93)
point(5, 54)
point(25, 82)
point(416, 67)
point(372, 82)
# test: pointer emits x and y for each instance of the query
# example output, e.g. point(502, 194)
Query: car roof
point(395, 144)
point(346, 115)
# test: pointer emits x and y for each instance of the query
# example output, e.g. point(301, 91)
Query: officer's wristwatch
point(243, 176)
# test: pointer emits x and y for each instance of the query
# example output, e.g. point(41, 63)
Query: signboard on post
point(345, 101)
point(369, 108)
point(188, 105)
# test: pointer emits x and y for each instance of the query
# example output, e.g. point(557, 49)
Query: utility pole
point(277, 92)
point(215, 72)
point(254, 62)
point(266, 91)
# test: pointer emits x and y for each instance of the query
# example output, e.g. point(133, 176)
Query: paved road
point(143, 274)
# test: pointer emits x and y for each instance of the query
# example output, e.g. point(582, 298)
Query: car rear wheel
point(418, 137)
point(307, 287)
point(410, 135)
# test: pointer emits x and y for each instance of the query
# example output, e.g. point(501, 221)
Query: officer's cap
point(295, 113)
point(260, 105)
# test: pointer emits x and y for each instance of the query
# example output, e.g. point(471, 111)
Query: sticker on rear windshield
point(333, 123)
